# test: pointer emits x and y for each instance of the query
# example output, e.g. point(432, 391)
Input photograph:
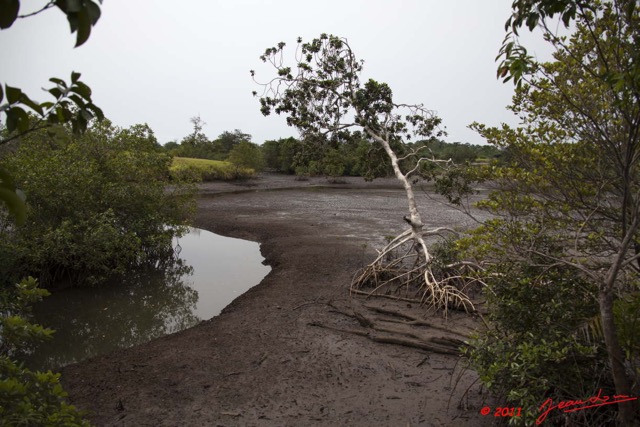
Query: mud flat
point(261, 362)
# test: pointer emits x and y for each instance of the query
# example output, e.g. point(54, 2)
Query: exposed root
point(381, 330)
point(391, 339)
point(413, 320)
point(404, 271)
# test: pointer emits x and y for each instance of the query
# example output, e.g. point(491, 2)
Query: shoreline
point(260, 362)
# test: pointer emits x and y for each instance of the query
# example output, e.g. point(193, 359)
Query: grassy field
point(186, 168)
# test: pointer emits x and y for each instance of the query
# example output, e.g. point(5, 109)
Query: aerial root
point(403, 272)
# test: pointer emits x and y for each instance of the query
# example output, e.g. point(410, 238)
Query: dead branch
point(388, 339)
point(385, 334)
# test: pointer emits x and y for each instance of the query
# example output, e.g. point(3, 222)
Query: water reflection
point(212, 271)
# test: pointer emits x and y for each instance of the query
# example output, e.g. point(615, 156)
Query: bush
point(97, 205)
point(26, 397)
point(33, 398)
point(246, 155)
point(535, 349)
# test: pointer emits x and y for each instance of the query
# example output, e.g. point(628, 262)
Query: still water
point(148, 304)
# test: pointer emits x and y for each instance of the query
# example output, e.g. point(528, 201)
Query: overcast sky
point(163, 61)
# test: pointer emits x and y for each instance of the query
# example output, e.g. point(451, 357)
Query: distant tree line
point(357, 156)
point(235, 147)
point(349, 154)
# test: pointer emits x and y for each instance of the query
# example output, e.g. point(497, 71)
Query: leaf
point(6, 180)
point(73, 21)
point(57, 93)
point(74, 77)
point(62, 115)
point(86, 114)
point(73, 6)
point(17, 118)
point(96, 111)
point(58, 82)
point(8, 12)
point(23, 118)
point(1, 94)
point(82, 89)
point(15, 204)
point(31, 104)
point(77, 100)
point(13, 94)
point(11, 121)
point(84, 27)
point(532, 21)
point(94, 12)
point(79, 125)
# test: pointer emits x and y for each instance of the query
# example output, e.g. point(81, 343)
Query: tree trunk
point(414, 216)
point(626, 410)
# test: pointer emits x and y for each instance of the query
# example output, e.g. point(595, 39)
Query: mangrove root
point(404, 271)
point(394, 331)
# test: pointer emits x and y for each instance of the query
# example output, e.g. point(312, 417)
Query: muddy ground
point(260, 362)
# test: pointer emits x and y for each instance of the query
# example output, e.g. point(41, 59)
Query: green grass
point(190, 169)
point(206, 163)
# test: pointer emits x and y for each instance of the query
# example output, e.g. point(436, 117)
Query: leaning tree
point(322, 95)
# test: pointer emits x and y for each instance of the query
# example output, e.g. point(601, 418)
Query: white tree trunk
point(414, 215)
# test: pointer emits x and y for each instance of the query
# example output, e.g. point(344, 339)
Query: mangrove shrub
point(98, 204)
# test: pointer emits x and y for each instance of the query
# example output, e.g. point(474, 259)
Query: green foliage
point(97, 204)
point(34, 398)
point(627, 315)
point(459, 153)
point(566, 215)
point(15, 302)
point(324, 99)
point(316, 156)
point(197, 145)
point(171, 147)
point(355, 155)
point(283, 154)
point(27, 397)
point(334, 163)
point(246, 155)
point(72, 104)
point(517, 64)
point(12, 197)
point(226, 141)
point(324, 88)
point(533, 350)
point(196, 170)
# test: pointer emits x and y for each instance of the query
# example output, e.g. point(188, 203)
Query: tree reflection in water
point(131, 310)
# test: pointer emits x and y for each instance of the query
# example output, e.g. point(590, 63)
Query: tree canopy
point(322, 96)
point(568, 198)
point(72, 102)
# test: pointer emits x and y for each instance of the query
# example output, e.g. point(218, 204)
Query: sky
point(162, 62)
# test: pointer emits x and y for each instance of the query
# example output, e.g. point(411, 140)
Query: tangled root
point(403, 271)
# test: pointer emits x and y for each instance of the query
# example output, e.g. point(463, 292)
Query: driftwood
point(391, 331)
point(413, 320)
point(390, 339)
